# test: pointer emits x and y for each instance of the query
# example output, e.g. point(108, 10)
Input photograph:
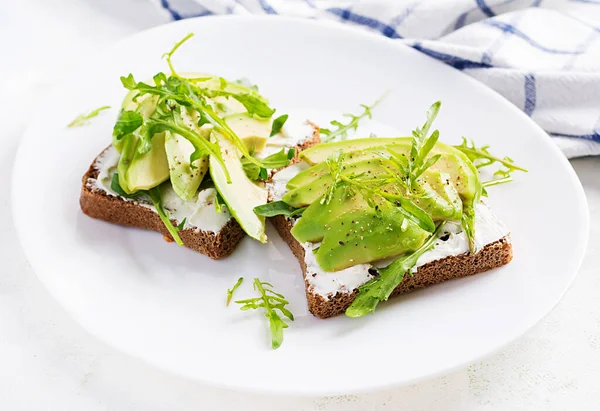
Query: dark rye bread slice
point(493, 255)
point(99, 204)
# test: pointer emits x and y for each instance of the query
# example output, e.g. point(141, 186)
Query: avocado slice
point(241, 195)
point(368, 235)
point(442, 184)
point(127, 144)
point(317, 170)
point(186, 177)
point(315, 219)
point(226, 106)
point(438, 197)
point(254, 132)
point(143, 171)
point(314, 190)
point(320, 152)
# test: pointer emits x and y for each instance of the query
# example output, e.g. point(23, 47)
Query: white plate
point(165, 304)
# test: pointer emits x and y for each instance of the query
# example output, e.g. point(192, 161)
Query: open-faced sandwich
point(189, 157)
point(369, 218)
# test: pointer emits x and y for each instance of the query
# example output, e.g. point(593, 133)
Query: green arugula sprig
point(175, 93)
point(341, 130)
point(155, 197)
point(402, 170)
point(335, 163)
point(83, 119)
point(127, 123)
point(271, 302)
point(413, 166)
point(403, 204)
point(274, 161)
point(503, 178)
point(481, 157)
point(167, 56)
point(278, 208)
point(232, 290)
point(381, 287)
point(278, 124)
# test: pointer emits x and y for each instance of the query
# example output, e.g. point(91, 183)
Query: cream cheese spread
point(294, 132)
point(200, 213)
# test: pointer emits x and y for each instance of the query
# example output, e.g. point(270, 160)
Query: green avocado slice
point(186, 177)
point(314, 190)
point(143, 171)
point(241, 195)
point(368, 235)
point(315, 219)
point(320, 152)
point(437, 196)
point(253, 131)
point(316, 171)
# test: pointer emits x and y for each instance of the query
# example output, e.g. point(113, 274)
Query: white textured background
point(47, 362)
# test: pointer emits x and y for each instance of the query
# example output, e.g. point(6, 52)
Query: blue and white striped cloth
point(542, 55)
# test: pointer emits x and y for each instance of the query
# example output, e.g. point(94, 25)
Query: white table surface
point(48, 362)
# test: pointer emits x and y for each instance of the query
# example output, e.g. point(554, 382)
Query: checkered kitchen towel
point(542, 55)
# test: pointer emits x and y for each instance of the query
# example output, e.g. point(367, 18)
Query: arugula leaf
point(335, 163)
point(280, 159)
point(381, 287)
point(252, 103)
point(278, 124)
point(274, 161)
point(341, 130)
point(416, 163)
point(127, 123)
point(481, 157)
point(277, 208)
point(83, 119)
point(232, 290)
point(155, 197)
point(154, 194)
point(416, 214)
point(128, 82)
point(271, 302)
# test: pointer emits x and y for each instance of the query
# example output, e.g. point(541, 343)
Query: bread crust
point(98, 204)
point(491, 256)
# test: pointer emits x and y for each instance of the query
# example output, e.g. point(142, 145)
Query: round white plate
point(166, 304)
